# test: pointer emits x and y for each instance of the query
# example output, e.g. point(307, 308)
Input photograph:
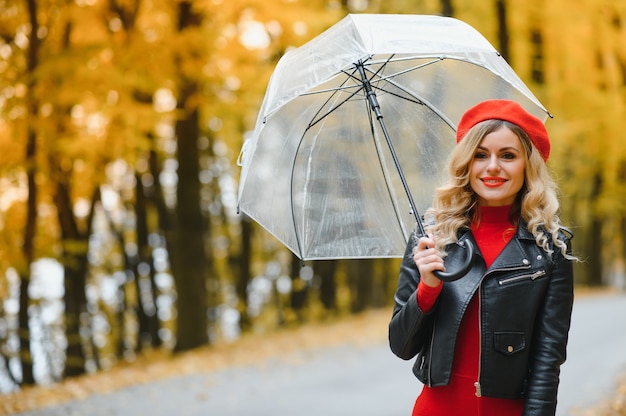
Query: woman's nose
point(494, 164)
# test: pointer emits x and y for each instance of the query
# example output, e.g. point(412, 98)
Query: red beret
point(508, 111)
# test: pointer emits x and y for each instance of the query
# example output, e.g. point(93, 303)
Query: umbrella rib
point(335, 89)
point(418, 99)
point(381, 78)
point(381, 160)
point(387, 78)
point(315, 118)
point(359, 87)
point(412, 99)
point(314, 121)
point(383, 167)
point(293, 208)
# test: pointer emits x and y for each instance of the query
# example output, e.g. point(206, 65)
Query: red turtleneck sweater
point(492, 233)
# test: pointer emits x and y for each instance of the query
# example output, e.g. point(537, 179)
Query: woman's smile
point(493, 181)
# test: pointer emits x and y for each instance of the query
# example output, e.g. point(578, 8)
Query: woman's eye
point(508, 156)
point(480, 155)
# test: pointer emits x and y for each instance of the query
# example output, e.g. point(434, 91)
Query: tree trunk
point(26, 358)
point(537, 71)
point(446, 8)
point(145, 309)
point(31, 203)
point(163, 217)
point(75, 246)
point(503, 30)
point(242, 262)
point(325, 270)
point(189, 261)
point(386, 272)
point(593, 239)
point(361, 280)
point(299, 288)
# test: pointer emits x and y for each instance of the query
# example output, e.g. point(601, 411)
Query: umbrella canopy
point(317, 172)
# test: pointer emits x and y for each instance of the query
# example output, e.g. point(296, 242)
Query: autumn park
point(121, 125)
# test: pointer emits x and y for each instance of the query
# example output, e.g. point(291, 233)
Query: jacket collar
point(517, 253)
point(523, 233)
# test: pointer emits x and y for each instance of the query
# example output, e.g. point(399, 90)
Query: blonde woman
point(492, 342)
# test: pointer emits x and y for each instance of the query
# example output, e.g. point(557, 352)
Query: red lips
point(493, 181)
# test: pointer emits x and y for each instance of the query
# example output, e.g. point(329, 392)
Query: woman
point(492, 342)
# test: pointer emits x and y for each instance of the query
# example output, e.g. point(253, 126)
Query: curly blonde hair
point(536, 203)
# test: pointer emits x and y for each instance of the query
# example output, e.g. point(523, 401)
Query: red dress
point(459, 396)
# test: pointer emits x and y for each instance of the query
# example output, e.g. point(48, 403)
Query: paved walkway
point(364, 381)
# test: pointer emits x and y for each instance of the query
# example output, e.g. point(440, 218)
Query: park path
point(364, 380)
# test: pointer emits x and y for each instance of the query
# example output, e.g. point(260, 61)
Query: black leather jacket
point(526, 302)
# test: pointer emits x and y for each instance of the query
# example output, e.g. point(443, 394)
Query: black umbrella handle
point(375, 106)
point(467, 264)
point(470, 250)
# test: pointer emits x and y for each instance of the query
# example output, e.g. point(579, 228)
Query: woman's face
point(497, 170)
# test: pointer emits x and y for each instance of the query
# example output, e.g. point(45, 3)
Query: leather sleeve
point(409, 327)
point(550, 339)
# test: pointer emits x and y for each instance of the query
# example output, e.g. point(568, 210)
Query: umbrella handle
point(467, 265)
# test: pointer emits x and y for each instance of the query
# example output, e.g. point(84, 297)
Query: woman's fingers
point(428, 259)
point(425, 243)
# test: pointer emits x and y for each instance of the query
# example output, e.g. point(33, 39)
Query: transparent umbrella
point(356, 127)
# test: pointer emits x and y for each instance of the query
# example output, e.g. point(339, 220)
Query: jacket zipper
point(430, 357)
point(477, 385)
point(533, 276)
point(480, 340)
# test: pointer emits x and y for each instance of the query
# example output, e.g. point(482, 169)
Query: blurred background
point(120, 125)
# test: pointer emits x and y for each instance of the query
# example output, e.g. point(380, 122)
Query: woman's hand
point(428, 259)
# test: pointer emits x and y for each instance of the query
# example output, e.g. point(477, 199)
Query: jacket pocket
point(528, 276)
point(509, 343)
